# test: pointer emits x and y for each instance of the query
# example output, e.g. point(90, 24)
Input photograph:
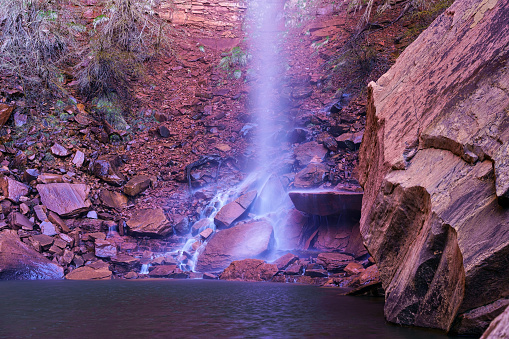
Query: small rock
point(40, 212)
point(92, 215)
point(59, 150)
point(20, 119)
point(105, 249)
point(48, 228)
point(354, 268)
point(30, 174)
point(285, 261)
point(65, 199)
point(312, 175)
point(5, 113)
point(206, 233)
point(24, 208)
point(210, 276)
point(79, 159)
point(136, 185)
point(113, 199)
point(50, 178)
point(106, 168)
point(163, 131)
point(150, 221)
point(12, 189)
point(89, 273)
point(55, 219)
point(18, 221)
point(223, 147)
point(43, 239)
point(131, 275)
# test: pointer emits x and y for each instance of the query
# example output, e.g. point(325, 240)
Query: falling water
point(264, 28)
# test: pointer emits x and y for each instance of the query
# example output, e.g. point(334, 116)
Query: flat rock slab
point(89, 273)
point(234, 210)
point(327, 202)
point(249, 270)
point(304, 153)
point(136, 185)
point(150, 221)
point(12, 189)
point(113, 199)
point(19, 261)
point(246, 240)
point(65, 199)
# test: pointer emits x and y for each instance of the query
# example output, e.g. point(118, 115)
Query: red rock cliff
point(435, 168)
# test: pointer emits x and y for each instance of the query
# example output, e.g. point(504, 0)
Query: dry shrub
point(34, 43)
point(124, 36)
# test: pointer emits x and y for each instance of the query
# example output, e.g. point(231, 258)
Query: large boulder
point(65, 199)
point(433, 164)
point(327, 202)
point(247, 240)
point(19, 261)
point(249, 270)
point(499, 328)
point(151, 221)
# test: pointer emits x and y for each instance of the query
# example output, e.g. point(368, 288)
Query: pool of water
point(189, 309)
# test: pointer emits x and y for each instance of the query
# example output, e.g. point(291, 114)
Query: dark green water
point(189, 309)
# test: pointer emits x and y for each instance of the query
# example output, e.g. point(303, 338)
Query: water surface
point(189, 309)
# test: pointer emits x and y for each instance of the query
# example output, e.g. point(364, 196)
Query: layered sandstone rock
point(19, 261)
point(246, 240)
point(434, 166)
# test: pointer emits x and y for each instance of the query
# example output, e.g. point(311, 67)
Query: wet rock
point(285, 261)
point(245, 240)
point(150, 221)
point(59, 150)
point(328, 141)
point(354, 268)
point(298, 135)
point(235, 210)
point(106, 168)
point(312, 175)
point(210, 276)
point(105, 249)
point(304, 153)
point(12, 189)
point(293, 229)
point(337, 130)
point(334, 262)
point(48, 228)
point(294, 269)
point(131, 275)
point(316, 273)
point(136, 185)
point(206, 233)
point(79, 159)
point(18, 221)
point(65, 199)
point(180, 224)
point(476, 321)
point(113, 199)
point(325, 203)
point(200, 225)
point(19, 261)
point(90, 272)
point(5, 113)
point(499, 328)
point(249, 270)
point(162, 271)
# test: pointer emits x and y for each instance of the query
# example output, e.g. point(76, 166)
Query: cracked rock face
point(435, 169)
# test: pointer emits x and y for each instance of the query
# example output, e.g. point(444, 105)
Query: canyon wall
point(435, 170)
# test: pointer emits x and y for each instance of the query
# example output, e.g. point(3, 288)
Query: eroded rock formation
point(434, 166)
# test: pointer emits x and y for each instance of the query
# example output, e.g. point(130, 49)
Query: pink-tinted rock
point(65, 199)
point(19, 261)
point(90, 272)
point(293, 230)
point(150, 221)
point(136, 185)
point(285, 261)
point(334, 261)
point(477, 320)
point(327, 202)
point(433, 164)
point(499, 328)
point(12, 189)
point(5, 113)
point(246, 240)
point(304, 153)
point(313, 175)
point(354, 268)
point(113, 199)
point(105, 249)
point(249, 270)
point(232, 211)
point(162, 271)
point(106, 167)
